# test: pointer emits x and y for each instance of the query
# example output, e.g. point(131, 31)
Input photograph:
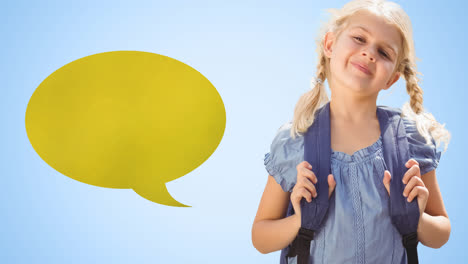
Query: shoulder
point(284, 140)
point(285, 154)
point(392, 111)
point(424, 152)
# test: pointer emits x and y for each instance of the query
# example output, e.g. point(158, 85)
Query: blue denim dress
point(357, 228)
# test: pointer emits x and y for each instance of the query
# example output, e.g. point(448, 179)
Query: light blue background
point(261, 58)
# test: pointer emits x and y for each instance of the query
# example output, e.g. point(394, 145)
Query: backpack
point(317, 151)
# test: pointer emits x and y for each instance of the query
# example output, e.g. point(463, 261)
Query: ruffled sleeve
point(426, 155)
point(285, 154)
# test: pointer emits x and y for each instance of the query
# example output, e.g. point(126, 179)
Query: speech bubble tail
point(158, 193)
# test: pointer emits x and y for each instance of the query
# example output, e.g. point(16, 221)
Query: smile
point(359, 67)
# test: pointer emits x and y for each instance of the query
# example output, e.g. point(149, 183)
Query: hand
point(305, 187)
point(414, 185)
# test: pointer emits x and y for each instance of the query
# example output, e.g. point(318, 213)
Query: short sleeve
point(285, 154)
point(426, 155)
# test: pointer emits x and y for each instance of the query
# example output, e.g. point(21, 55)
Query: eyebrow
point(385, 44)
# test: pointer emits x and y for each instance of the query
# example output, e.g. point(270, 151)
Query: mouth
point(362, 68)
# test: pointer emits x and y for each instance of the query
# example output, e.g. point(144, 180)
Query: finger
point(413, 171)
point(418, 191)
point(411, 162)
point(331, 185)
point(414, 181)
point(306, 194)
point(305, 182)
point(386, 180)
point(299, 193)
point(304, 164)
point(309, 174)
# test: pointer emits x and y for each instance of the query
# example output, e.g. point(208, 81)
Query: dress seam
point(360, 247)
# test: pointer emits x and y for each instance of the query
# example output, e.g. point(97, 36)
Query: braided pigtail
point(308, 103)
point(426, 124)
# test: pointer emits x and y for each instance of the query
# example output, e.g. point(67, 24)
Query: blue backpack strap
point(405, 216)
point(317, 151)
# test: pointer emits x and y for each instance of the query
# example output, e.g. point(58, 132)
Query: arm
point(434, 224)
point(270, 230)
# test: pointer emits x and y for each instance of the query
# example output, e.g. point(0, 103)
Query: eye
point(384, 54)
point(359, 39)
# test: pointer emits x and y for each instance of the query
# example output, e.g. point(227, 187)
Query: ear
point(392, 80)
point(328, 42)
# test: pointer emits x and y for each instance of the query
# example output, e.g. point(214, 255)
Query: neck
point(356, 110)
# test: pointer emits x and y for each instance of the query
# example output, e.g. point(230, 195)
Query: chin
point(359, 86)
point(358, 82)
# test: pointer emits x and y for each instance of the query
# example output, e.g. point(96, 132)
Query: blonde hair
point(311, 101)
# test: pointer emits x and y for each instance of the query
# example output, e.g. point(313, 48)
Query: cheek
point(344, 49)
point(347, 49)
point(389, 67)
point(387, 74)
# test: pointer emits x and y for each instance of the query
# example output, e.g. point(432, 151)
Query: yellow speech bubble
point(126, 119)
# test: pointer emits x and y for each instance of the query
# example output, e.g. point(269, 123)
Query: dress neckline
point(359, 155)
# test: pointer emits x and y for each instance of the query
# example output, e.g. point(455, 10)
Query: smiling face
point(363, 56)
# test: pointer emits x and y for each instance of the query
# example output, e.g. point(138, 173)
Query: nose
point(369, 55)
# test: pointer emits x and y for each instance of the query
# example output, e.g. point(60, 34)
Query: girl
point(365, 48)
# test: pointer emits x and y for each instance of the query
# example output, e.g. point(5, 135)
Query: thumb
point(386, 180)
point(331, 184)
